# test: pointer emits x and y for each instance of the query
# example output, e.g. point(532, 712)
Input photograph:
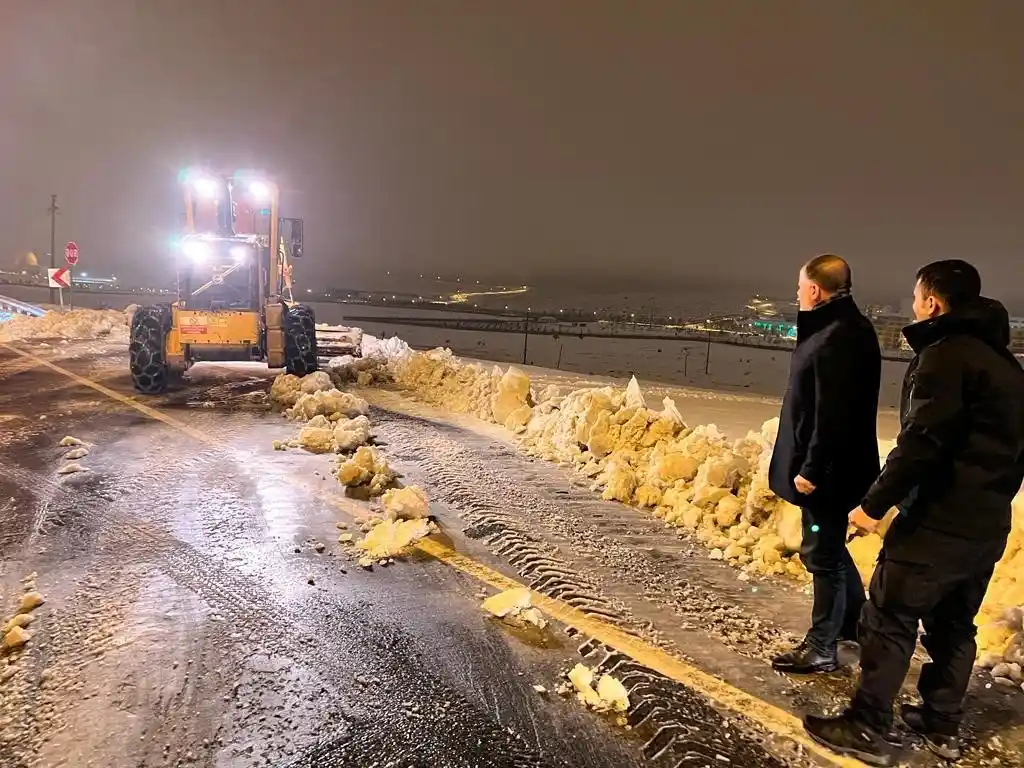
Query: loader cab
point(221, 273)
point(234, 302)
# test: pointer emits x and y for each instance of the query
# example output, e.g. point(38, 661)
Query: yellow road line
point(767, 715)
point(131, 402)
point(18, 366)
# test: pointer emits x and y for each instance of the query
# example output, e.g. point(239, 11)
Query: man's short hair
point(954, 281)
point(830, 272)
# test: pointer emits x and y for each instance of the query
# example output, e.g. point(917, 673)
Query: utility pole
point(53, 241)
point(526, 336)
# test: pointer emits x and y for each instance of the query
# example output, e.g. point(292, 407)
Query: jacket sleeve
point(934, 410)
point(836, 371)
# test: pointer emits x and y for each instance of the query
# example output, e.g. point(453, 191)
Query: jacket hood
point(985, 319)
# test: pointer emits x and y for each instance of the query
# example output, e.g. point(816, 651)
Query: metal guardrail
point(10, 307)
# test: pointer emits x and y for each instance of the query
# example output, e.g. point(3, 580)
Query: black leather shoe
point(804, 660)
point(849, 635)
point(942, 744)
point(848, 735)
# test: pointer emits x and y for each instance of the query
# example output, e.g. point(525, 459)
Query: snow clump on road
point(367, 469)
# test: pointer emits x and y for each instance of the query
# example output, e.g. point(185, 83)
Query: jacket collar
point(810, 321)
point(984, 319)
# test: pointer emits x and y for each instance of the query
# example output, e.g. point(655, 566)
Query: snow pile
point(1001, 622)
point(368, 470)
point(691, 478)
point(302, 398)
point(285, 391)
point(14, 634)
point(364, 371)
point(441, 378)
point(77, 450)
point(609, 695)
point(387, 350)
point(379, 357)
point(331, 403)
point(77, 324)
point(321, 435)
point(409, 503)
point(514, 606)
point(350, 434)
point(392, 538)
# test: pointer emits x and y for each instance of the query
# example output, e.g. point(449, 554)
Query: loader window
point(227, 279)
point(291, 231)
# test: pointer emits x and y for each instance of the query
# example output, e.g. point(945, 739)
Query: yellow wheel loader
point(234, 303)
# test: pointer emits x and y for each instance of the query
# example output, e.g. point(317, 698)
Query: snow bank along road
point(200, 610)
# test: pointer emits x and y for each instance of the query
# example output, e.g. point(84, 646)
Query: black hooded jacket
point(959, 458)
point(827, 429)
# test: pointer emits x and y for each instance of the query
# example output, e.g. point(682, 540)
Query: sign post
point(71, 257)
point(59, 278)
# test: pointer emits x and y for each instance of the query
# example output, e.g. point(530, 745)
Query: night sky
point(583, 143)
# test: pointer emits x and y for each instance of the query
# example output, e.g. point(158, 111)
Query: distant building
point(776, 318)
point(889, 328)
point(1017, 335)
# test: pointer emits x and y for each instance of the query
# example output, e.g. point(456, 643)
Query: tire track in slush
point(681, 727)
point(492, 501)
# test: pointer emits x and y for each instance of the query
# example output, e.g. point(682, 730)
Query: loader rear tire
point(300, 350)
point(147, 354)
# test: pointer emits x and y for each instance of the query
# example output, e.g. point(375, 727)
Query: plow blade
point(337, 340)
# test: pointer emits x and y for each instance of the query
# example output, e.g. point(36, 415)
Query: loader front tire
point(147, 354)
point(300, 350)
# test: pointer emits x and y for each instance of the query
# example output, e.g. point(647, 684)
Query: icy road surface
point(181, 628)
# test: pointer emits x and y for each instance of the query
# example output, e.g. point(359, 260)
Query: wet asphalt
point(181, 627)
point(200, 610)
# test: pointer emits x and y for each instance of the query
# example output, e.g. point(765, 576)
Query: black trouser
point(933, 579)
point(838, 590)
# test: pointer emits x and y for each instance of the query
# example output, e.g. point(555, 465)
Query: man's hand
point(859, 519)
point(803, 485)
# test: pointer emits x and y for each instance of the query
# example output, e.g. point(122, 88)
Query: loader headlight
point(196, 250)
point(260, 190)
point(239, 253)
point(205, 186)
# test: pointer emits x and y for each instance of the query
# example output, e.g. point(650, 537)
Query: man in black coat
point(957, 464)
point(826, 452)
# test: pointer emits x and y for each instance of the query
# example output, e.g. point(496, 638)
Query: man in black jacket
point(826, 452)
point(957, 464)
